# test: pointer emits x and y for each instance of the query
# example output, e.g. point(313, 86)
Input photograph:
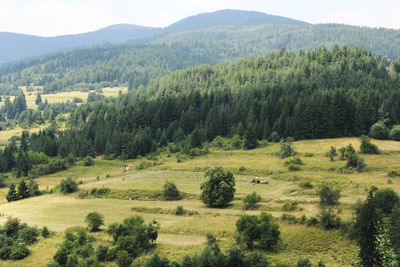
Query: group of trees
point(131, 238)
point(319, 94)
point(35, 155)
point(24, 191)
point(377, 228)
point(15, 237)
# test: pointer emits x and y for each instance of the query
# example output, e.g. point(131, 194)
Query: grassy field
point(64, 96)
point(180, 235)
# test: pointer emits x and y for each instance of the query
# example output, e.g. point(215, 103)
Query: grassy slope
point(180, 235)
point(65, 96)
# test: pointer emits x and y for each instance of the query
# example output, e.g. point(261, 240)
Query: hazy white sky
point(56, 17)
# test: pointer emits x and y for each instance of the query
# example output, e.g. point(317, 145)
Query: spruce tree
point(12, 194)
point(38, 99)
point(366, 227)
point(23, 190)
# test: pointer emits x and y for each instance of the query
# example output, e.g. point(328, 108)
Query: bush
point(156, 261)
point(88, 161)
point(328, 219)
point(68, 186)
point(289, 206)
point(385, 200)
point(394, 173)
point(180, 211)
point(251, 200)
point(27, 234)
point(293, 160)
point(367, 147)
point(293, 167)
point(45, 232)
point(101, 253)
point(379, 131)
point(260, 229)
point(171, 192)
point(286, 149)
point(19, 251)
point(219, 189)
point(395, 133)
point(94, 221)
point(123, 258)
point(306, 184)
point(328, 195)
point(308, 155)
point(274, 137)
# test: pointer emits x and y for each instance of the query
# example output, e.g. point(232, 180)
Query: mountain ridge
point(16, 46)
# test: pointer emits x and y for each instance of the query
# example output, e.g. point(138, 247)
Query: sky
point(58, 17)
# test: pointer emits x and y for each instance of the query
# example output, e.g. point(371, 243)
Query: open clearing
point(180, 235)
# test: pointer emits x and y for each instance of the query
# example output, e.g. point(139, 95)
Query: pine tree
point(38, 99)
point(250, 138)
point(12, 194)
point(366, 227)
point(23, 190)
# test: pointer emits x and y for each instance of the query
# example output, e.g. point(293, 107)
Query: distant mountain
point(227, 17)
point(14, 46)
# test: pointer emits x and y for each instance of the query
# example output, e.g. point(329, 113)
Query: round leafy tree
point(379, 131)
point(171, 192)
point(94, 221)
point(260, 229)
point(385, 200)
point(219, 189)
point(395, 133)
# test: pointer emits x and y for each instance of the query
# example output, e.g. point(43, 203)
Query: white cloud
point(55, 17)
point(359, 17)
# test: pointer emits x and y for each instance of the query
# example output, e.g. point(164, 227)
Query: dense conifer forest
point(319, 94)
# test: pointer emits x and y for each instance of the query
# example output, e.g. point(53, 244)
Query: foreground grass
point(180, 235)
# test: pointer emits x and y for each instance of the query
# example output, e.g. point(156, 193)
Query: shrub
point(293, 167)
point(286, 149)
point(256, 259)
point(395, 133)
point(19, 251)
point(328, 195)
point(68, 186)
point(367, 147)
point(61, 255)
point(308, 154)
point(180, 211)
point(342, 151)
point(88, 161)
point(293, 160)
point(86, 250)
point(94, 221)
point(332, 153)
point(394, 173)
point(328, 219)
point(156, 261)
point(27, 234)
point(260, 229)
point(45, 232)
point(219, 189)
point(306, 184)
point(289, 206)
point(385, 200)
point(379, 131)
point(101, 253)
point(274, 137)
point(251, 200)
point(171, 192)
point(123, 258)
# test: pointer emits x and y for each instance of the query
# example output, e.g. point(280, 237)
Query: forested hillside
point(14, 46)
point(320, 94)
point(134, 65)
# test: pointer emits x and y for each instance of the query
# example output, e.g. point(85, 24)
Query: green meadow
point(134, 192)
